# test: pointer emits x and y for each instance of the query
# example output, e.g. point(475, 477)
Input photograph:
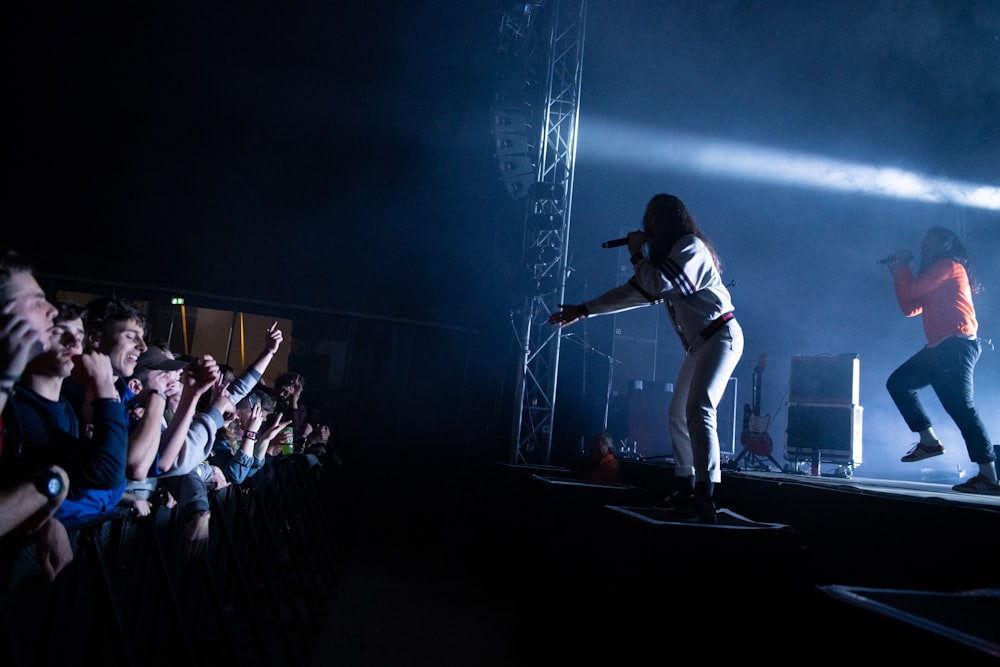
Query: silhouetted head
point(667, 220)
point(602, 444)
point(942, 243)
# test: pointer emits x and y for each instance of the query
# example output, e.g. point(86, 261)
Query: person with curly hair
point(941, 293)
point(675, 264)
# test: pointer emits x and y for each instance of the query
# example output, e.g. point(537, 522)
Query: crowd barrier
point(258, 596)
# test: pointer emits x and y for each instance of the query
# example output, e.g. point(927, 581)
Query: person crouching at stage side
point(606, 468)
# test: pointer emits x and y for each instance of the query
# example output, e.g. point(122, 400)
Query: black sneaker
point(921, 451)
point(979, 485)
point(697, 510)
point(676, 500)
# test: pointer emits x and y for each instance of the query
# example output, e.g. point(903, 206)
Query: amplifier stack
point(824, 417)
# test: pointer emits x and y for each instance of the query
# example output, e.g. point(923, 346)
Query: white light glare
point(655, 149)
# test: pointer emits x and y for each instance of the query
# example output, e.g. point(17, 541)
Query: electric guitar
point(755, 438)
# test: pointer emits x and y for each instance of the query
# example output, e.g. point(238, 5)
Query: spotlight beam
point(659, 150)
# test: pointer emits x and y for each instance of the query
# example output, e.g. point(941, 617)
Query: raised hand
point(201, 375)
point(273, 339)
point(256, 419)
point(94, 371)
point(274, 428)
point(19, 342)
point(222, 401)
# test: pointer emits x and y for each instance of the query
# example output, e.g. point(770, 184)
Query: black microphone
point(615, 243)
point(887, 260)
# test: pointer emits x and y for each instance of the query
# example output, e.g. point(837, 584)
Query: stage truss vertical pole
point(546, 238)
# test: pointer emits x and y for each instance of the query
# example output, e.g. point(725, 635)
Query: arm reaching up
point(249, 378)
point(201, 375)
point(272, 341)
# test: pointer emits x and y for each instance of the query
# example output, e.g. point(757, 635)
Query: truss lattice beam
point(547, 224)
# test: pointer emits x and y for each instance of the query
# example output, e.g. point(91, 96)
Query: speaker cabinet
point(832, 431)
point(825, 379)
point(648, 421)
point(648, 418)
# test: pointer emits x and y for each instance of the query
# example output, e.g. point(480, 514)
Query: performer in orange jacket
point(942, 293)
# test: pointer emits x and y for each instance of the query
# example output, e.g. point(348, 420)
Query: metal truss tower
point(541, 47)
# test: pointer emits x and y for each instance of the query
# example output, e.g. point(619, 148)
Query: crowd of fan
point(95, 417)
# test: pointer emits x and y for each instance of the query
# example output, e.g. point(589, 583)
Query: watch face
point(54, 485)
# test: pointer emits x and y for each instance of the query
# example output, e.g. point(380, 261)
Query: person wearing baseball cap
point(157, 358)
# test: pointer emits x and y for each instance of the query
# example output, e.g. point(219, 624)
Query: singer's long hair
point(947, 245)
point(667, 220)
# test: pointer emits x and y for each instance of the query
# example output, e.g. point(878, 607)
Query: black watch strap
point(50, 484)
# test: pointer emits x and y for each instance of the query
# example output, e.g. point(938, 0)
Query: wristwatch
point(50, 484)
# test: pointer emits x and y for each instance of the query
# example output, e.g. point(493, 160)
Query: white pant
point(701, 384)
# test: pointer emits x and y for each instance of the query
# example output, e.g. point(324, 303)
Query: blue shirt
point(48, 432)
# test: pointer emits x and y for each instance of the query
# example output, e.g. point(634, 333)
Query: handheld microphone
point(615, 243)
point(887, 260)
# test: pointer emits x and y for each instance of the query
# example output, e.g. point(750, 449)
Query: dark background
point(338, 156)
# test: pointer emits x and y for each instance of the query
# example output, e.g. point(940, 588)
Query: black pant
point(946, 367)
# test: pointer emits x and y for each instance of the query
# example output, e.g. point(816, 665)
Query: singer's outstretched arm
point(567, 314)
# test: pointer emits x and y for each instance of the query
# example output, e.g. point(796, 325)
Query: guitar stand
point(754, 462)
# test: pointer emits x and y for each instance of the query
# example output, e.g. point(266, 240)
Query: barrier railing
point(259, 595)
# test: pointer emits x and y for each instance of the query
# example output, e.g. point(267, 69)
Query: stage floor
point(833, 477)
point(875, 486)
point(915, 553)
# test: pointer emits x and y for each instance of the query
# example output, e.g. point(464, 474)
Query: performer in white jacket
point(674, 263)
